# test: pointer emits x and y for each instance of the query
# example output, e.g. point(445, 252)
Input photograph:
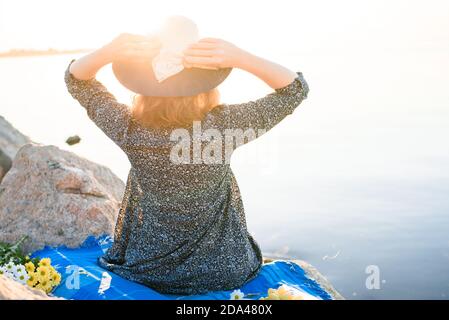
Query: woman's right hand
point(132, 46)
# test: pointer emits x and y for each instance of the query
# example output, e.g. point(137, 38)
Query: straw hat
point(164, 75)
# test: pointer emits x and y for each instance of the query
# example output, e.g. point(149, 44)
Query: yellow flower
point(278, 294)
point(55, 278)
point(273, 295)
point(45, 262)
point(44, 285)
point(53, 270)
point(283, 293)
point(32, 280)
point(29, 266)
point(43, 273)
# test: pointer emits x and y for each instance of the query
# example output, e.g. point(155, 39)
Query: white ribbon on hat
point(176, 35)
point(166, 64)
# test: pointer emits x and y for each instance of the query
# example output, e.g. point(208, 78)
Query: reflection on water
point(357, 176)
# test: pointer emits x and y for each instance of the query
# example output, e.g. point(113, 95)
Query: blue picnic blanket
point(83, 279)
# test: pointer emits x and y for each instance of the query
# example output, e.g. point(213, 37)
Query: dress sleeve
point(102, 107)
point(266, 112)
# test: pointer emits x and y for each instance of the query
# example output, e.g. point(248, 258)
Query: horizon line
point(24, 52)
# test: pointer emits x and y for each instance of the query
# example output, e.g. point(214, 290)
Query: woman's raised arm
point(290, 88)
point(125, 46)
point(217, 53)
point(102, 108)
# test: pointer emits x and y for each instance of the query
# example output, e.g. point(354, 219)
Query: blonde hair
point(160, 112)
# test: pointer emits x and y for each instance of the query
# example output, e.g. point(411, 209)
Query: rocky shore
point(53, 196)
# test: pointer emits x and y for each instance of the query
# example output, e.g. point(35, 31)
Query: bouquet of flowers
point(284, 292)
point(34, 272)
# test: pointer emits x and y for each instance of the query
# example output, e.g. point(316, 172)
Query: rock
point(73, 140)
point(11, 140)
point(5, 164)
point(314, 274)
point(57, 198)
point(12, 290)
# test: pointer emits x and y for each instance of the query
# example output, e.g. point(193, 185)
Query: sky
point(354, 25)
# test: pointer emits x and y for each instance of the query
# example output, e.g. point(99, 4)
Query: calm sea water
point(358, 176)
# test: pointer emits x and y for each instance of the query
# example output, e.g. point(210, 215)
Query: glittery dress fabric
point(181, 228)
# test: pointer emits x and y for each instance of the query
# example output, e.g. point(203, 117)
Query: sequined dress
point(181, 228)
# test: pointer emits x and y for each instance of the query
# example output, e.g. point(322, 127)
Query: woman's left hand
point(212, 53)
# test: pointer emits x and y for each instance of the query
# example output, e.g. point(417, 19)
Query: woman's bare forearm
point(273, 74)
point(125, 46)
point(217, 53)
point(86, 67)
